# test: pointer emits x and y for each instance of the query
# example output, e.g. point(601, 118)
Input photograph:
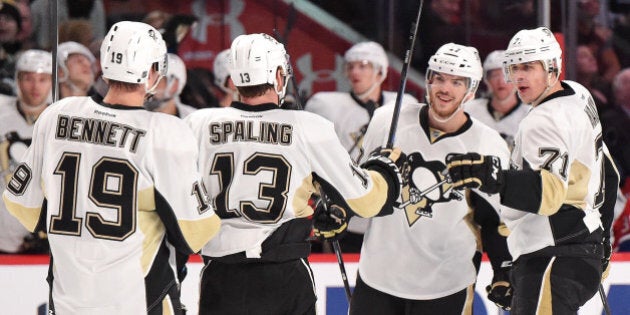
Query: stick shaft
point(403, 81)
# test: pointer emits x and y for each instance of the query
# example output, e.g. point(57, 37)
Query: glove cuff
point(390, 172)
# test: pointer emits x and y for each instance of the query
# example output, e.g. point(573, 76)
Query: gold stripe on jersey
point(503, 229)
point(153, 229)
point(370, 204)
point(146, 199)
point(553, 193)
point(544, 301)
point(579, 176)
point(469, 219)
point(198, 232)
point(470, 296)
point(167, 306)
point(301, 209)
point(27, 216)
point(4, 160)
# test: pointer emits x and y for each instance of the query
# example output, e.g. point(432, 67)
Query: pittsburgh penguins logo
point(12, 148)
point(423, 186)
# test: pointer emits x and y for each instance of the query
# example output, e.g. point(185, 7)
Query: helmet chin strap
point(372, 87)
point(544, 93)
point(283, 92)
point(445, 120)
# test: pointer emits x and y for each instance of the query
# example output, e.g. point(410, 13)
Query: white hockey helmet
point(533, 45)
point(221, 69)
point(254, 59)
point(493, 61)
point(34, 60)
point(176, 70)
point(130, 49)
point(371, 52)
point(457, 60)
point(64, 50)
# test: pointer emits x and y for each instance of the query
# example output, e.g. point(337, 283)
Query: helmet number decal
point(245, 78)
point(117, 57)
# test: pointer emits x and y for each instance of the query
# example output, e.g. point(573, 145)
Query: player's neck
point(126, 98)
point(170, 108)
point(269, 97)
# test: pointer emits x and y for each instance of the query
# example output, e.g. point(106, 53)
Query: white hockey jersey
point(112, 181)
point(507, 125)
point(259, 163)
point(348, 115)
point(350, 119)
point(561, 138)
point(15, 137)
point(417, 257)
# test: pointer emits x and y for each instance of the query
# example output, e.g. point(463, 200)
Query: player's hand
point(389, 163)
point(472, 170)
point(606, 258)
point(500, 293)
point(329, 222)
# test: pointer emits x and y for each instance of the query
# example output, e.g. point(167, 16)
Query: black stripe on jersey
point(424, 123)
point(252, 108)
point(522, 190)
point(160, 277)
point(370, 106)
point(494, 244)
point(519, 103)
point(175, 235)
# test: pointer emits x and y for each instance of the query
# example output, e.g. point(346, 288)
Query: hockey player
point(221, 71)
point(76, 69)
point(432, 269)
point(366, 67)
point(560, 183)
point(501, 109)
point(261, 164)
point(166, 97)
point(17, 115)
point(109, 182)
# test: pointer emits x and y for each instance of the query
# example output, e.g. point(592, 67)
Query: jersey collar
point(423, 119)
point(567, 90)
point(254, 108)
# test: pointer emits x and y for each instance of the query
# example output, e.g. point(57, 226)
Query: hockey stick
point(403, 81)
point(602, 295)
point(336, 248)
point(335, 243)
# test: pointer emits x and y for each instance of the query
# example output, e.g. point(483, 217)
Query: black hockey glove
point(389, 163)
point(606, 258)
point(329, 222)
point(500, 293)
point(472, 170)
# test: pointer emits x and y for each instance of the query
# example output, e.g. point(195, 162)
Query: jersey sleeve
point(24, 195)
point(540, 186)
point(181, 199)
point(364, 192)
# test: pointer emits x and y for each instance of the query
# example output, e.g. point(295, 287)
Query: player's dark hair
point(125, 86)
point(254, 91)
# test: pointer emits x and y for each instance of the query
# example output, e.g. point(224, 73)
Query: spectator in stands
point(440, 23)
point(26, 30)
point(588, 75)
point(615, 121)
point(10, 45)
point(91, 10)
point(76, 30)
point(598, 38)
